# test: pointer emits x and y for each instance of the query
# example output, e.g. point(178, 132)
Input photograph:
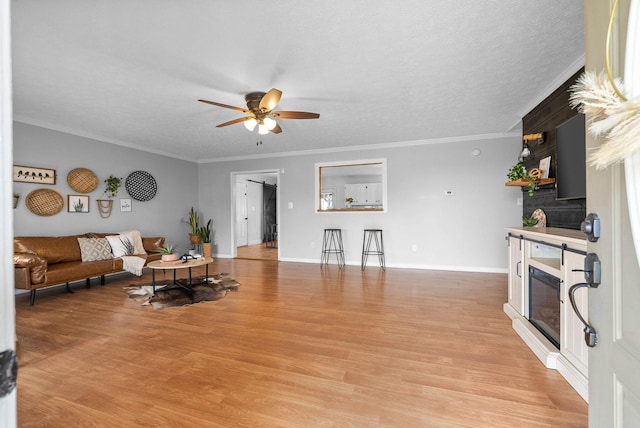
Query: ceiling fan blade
point(276, 129)
point(295, 115)
point(225, 106)
point(234, 121)
point(270, 100)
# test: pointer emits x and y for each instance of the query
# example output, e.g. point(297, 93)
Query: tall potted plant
point(193, 222)
point(205, 235)
point(106, 205)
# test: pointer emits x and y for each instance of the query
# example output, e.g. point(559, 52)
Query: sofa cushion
point(73, 271)
point(54, 249)
point(93, 249)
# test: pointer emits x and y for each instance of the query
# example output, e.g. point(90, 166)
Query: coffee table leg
point(153, 280)
point(189, 276)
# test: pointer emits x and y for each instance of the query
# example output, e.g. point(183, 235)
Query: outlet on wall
point(313, 244)
point(414, 248)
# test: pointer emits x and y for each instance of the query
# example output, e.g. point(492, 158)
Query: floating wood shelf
point(523, 182)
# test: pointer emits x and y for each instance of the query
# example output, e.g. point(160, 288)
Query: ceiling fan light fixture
point(269, 123)
point(263, 129)
point(250, 124)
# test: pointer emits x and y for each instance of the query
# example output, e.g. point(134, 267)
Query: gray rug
point(167, 295)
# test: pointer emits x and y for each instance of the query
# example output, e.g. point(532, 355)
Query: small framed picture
point(545, 164)
point(125, 205)
point(30, 174)
point(77, 203)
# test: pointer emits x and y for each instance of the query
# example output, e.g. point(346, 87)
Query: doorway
point(256, 214)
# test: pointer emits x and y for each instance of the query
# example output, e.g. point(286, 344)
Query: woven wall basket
point(82, 180)
point(44, 202)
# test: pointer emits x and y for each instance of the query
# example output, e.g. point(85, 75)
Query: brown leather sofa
point(41, 261)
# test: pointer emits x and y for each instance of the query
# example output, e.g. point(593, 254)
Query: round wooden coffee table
point(179, 264)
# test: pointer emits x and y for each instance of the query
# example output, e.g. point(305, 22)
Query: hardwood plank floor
point(296, 346)
point(257, 252)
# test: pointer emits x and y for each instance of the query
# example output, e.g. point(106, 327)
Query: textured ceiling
point(378, 72)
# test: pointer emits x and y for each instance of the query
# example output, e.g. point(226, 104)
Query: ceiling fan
point(260, 112)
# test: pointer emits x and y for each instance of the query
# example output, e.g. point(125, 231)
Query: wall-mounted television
point(571, 181)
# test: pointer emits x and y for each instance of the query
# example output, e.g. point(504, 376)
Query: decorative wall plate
point(44, 202)
point(82, 180)
point(141, 186)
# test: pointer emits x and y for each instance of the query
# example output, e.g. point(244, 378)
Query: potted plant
point(167, 253)
point(348, 202)
point(106, 205)
point(205, 236)
point(193, 222)
point(519, 172)
point(529, 221)
point(113, 184)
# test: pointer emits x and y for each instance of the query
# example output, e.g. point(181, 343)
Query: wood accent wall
point(546, 117)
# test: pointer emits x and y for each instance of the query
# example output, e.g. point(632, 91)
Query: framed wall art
point(30, 174)
point(125, 205)
point(77, 203)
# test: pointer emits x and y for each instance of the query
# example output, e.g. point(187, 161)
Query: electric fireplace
point(544, 304)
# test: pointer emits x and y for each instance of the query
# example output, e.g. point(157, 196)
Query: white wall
point(460, 232)
point(160, 216)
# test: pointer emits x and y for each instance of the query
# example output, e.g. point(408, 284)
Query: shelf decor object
point(82, 180)
point(44, 202)
point(141, 186)
point(30, 174)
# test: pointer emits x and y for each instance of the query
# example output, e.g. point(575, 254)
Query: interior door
point(242, 219)
point(614, 363)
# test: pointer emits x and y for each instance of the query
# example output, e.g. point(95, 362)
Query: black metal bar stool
point(332, 244)
point(376, 236)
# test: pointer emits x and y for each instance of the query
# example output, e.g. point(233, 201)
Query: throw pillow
point(117, 246)
point(134, 237)
point(94, 249)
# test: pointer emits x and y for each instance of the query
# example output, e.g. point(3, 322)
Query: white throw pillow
point(117, 247)
point(94, 249)
point(134, 237)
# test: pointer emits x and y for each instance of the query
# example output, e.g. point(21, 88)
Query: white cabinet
point(364, 193)
point(559, 253)
point(572, 343)
point(516, 278)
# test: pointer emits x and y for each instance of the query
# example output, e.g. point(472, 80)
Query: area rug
point(167, 295)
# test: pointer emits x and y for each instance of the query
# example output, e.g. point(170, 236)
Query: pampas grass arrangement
point(610, 116)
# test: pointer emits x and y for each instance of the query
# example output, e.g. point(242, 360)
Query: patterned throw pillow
point(94, 249)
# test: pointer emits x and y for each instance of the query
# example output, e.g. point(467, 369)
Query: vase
point(207, 250)
point(195, 239)
point(16, 198)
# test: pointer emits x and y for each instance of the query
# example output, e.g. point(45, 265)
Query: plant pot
point(195, 239)
point(207, 250)
point(169, 257)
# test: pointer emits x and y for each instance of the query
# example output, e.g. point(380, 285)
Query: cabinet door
point(516, 275)
point(572, 344)
point(374, 194)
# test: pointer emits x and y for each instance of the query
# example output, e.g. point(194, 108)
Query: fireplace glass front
point(544, 304)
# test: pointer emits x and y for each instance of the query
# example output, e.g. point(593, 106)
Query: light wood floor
point(296, 346)
point(258, 252)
